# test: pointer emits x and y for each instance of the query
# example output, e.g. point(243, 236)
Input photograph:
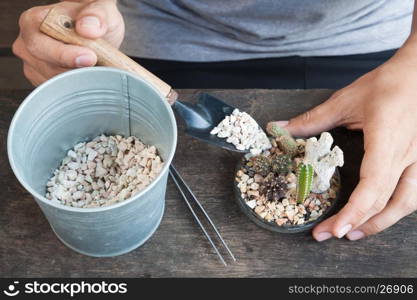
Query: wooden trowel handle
point(61, 27)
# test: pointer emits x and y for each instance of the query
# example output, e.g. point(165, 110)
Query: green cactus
point(304, 181)
point(284, 139)
point(275, 130)
point(261, 164)
point(281, 164)
point(278, 164)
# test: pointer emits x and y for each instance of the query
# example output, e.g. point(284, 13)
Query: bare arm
point(383, 104)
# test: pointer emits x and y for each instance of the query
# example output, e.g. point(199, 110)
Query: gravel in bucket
point(104, 171)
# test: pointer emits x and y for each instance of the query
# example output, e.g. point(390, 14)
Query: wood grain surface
point(29, 248)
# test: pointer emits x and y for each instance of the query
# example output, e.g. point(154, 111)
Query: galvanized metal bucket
point(78, 106)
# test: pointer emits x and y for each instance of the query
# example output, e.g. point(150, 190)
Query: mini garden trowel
point(200, 118)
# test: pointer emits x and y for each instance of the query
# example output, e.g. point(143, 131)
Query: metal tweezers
point(179, 182)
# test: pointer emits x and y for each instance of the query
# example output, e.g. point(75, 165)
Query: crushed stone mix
point(104, 171)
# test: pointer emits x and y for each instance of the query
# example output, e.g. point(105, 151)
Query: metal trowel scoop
point(200, 118)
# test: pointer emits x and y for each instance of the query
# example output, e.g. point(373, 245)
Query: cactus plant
point(281, 164)
point(261, 164)
point(273, 188)
point(304, 181)
point(278, 164)
point(284, 139)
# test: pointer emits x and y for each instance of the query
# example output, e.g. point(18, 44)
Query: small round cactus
point(261, 164)
point(277, 164)
point(281, 164)
point(283, 138)
point(273, 188)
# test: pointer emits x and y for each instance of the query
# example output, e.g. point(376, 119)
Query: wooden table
point(28, 247)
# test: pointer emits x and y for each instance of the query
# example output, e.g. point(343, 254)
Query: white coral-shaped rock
point(324, 161)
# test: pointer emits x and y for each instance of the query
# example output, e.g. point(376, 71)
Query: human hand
point(44, 57)
point(383, 103)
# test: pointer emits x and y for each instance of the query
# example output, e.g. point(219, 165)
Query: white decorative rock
point(241, 130)
point(251, 204)
point(324, 161)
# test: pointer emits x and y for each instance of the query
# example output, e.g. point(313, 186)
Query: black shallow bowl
point(272, 226)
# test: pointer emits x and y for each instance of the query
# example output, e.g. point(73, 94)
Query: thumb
point(94, 19)
point(321, 118)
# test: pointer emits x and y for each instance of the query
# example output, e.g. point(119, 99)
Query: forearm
point(407, 53)
point(412, 39)
point(414, 23)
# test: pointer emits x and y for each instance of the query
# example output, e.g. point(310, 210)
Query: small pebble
point(258, 178)
point(253, 193)
point(259, 209)
point(244, 177)
point(254, 186)
point(281, 221)
point(251, 204)
point(241, 130)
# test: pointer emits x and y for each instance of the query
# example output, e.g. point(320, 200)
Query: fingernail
point(90, 22)
point(282, 123)
point(84, 60)
point(322, 236)
point(355, 235)
point(345, 229)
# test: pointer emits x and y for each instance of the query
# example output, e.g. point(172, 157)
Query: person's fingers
point(356, 210)
point(48, 49)
point(32, 18)
point(97, 18)
point(32, 75)
point(47, 70)
point(60, 54)
point(402, 204)
point(323, 231)
point(321, 118)
point(378, 178)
